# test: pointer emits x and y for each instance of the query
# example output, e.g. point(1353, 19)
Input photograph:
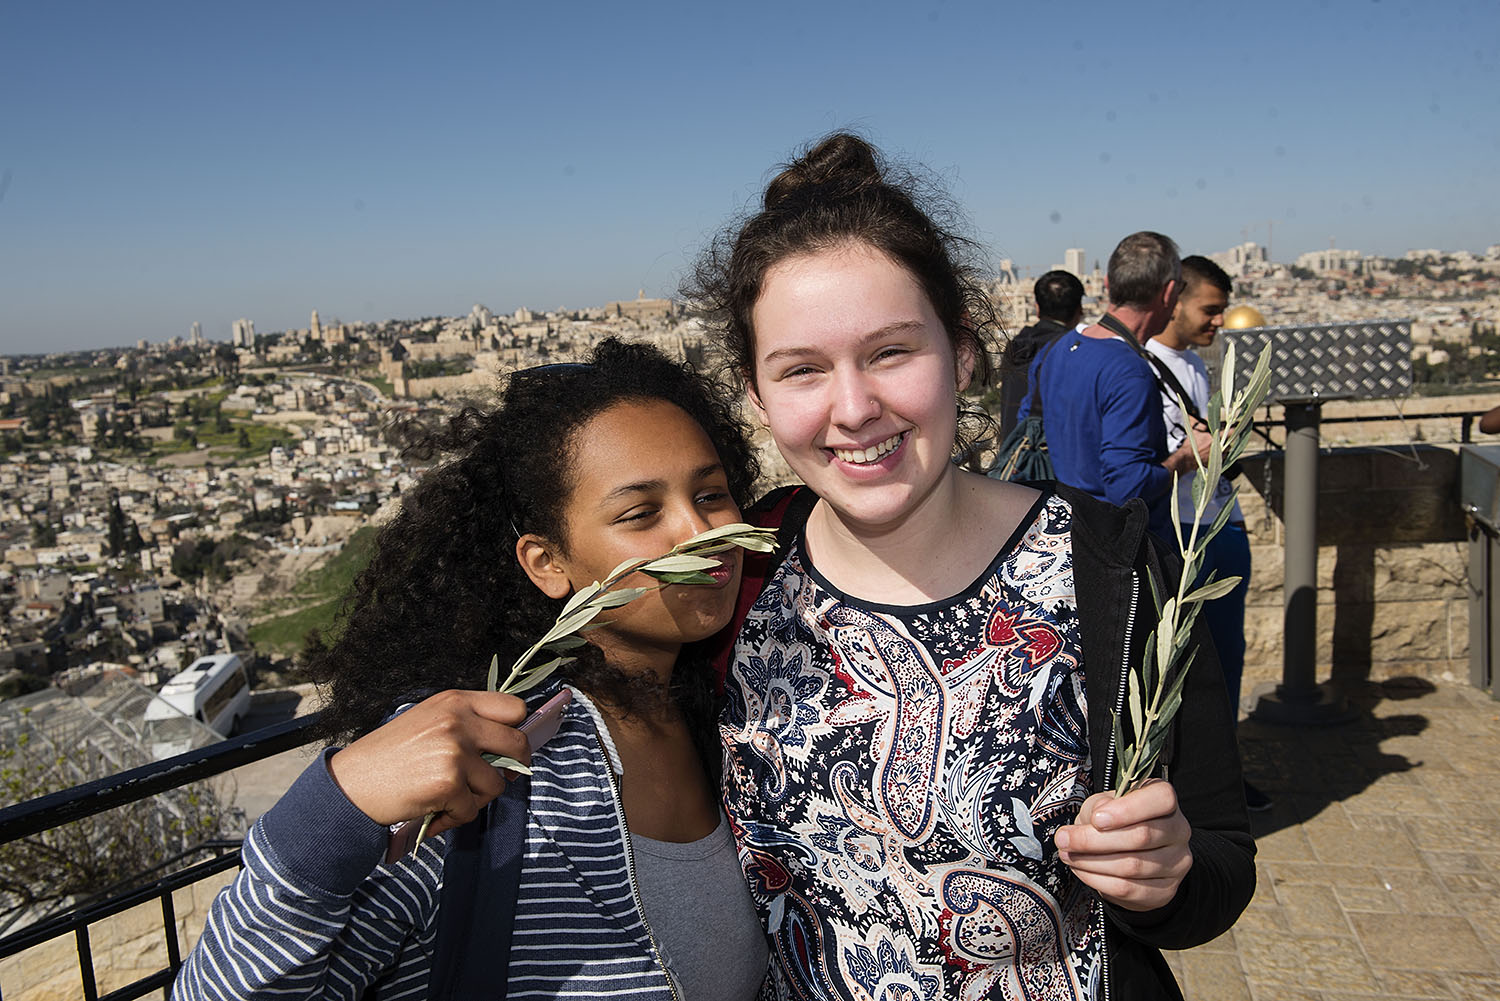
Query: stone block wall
point(125, 948)
point(1392, 565)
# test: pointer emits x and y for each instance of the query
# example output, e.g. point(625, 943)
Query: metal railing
point(57, 809)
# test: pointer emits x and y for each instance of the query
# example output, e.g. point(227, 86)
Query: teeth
point(867, 455)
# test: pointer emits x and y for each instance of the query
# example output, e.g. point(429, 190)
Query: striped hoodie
point(315, 914)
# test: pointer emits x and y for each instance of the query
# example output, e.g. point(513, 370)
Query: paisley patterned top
point(895, 776)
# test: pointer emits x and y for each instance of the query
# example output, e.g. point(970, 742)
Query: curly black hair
point(444, 591)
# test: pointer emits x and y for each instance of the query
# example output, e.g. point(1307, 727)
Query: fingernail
point(1103, 819)
point(1064, 840)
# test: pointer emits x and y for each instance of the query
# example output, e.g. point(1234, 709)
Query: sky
point(165, 163)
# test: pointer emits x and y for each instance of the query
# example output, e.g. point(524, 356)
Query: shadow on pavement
point(272, 706)
point(1304, 769)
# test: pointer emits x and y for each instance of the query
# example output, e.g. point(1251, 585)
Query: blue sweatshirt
point(1101, 409)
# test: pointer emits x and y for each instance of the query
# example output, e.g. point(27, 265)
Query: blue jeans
point(1228, 553)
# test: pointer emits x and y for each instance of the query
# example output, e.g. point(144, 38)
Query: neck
point(656, 662)
point(899, 562)
point(1168, 338)
point(1135, 319)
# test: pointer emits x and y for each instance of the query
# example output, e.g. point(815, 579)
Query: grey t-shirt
point(700, 912)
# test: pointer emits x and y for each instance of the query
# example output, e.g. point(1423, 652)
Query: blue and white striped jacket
point(313, 914)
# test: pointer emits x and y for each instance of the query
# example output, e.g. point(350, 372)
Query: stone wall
point(125, 948)
point(1392, 565)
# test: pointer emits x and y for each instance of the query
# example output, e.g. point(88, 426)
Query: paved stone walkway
point(1379, 866)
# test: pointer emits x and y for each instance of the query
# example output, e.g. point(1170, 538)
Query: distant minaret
point(197, 335)
point(317, 328)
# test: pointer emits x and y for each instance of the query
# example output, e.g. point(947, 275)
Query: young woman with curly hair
point(627, 855)
point(918, 739)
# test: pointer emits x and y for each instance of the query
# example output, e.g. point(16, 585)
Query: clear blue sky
point(162, 163)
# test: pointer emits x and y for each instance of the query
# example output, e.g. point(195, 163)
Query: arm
point(310, 915)
point(1132, 435)
point(1489, 423)
point(1174, 861)
point(300, 919)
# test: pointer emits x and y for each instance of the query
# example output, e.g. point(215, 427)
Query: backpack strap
point(1164, 374)
point(785, 509)
point(477, 907)
point(1034, 391)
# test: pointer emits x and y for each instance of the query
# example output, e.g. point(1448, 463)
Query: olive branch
point(685, 564)
point(1154, 693)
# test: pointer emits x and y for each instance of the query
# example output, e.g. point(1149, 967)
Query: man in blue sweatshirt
point(1101, 406)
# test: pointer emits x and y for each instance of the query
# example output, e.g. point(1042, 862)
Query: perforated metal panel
point(1325, 361)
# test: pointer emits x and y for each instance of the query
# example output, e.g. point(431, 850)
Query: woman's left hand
point(1132, 849)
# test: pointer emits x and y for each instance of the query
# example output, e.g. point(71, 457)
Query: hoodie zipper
point(635, 890)
point(1109, 757)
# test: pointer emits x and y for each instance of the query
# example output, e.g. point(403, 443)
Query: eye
point(890, 351)
point(713, 495)
point(636, 514)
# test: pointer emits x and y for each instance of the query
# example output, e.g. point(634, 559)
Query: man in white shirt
point(1196, 319)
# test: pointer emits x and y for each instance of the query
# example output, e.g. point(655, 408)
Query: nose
point(855, 402)
point(691, 520)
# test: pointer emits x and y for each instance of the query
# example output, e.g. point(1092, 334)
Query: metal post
point(1299, 698)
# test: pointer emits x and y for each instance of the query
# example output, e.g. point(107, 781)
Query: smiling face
point(1198, 317)
point(855, 377)
point(645, 477)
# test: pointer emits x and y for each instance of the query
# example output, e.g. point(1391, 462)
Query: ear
point(1170, 293)
point(753, 395)
point(963, 363)
point(539, 558)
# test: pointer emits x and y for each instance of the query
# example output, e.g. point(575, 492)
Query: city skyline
point(197, 165)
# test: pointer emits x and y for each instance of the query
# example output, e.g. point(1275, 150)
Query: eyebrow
point(898, 327)
point(646, 486)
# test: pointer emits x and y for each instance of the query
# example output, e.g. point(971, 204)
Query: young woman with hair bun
point(918, 752)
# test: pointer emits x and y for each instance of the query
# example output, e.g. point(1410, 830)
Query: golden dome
point(1243, 317)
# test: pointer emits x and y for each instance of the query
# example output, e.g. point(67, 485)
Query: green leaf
point(566, 643)
point(680, 563)
point(1155, 589)
point(536, 675)
point(1215, 589)
point(494, 676)
point(618, 597)
point(501, 761)
point(723, 532)
point(1148, 660)
point(1137, 716)
point(1222, 517)
point(686, 577)
point(580, 596)
point(1226, 374)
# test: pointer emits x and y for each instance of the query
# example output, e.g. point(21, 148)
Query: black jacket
point(1112, 555)
point(1015, 362)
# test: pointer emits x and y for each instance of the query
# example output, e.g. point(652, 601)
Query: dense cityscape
point(168, 500)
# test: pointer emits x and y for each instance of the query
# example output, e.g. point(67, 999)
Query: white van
point(213, 692)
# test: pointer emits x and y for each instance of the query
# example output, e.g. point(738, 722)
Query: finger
point(484, 780)
point(1134, 895)
point(1085, 839)
point(497, 707)
point(489, 737)
point(1160, 864)
point(1151, 800)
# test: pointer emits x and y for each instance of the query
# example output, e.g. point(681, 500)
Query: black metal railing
point(57, 809)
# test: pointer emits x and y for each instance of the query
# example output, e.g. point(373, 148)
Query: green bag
point(1023, 454)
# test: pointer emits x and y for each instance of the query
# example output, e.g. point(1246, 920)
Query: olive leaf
point(683, 565)
point(1154, 693)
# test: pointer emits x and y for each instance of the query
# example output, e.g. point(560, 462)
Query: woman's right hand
point(428, 759)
